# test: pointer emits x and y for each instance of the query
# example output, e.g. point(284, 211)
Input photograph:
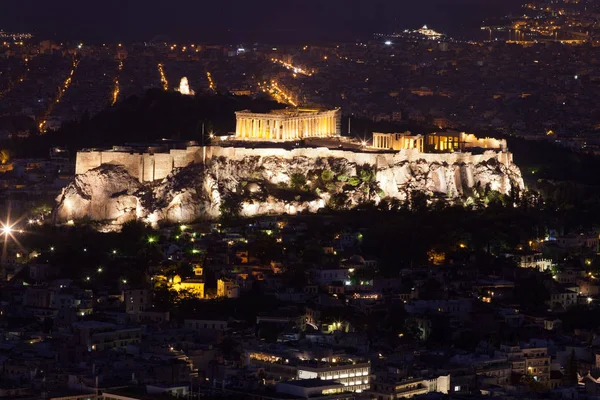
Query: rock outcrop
point(257, 182)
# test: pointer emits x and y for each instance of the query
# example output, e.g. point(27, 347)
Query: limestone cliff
point(262, 181)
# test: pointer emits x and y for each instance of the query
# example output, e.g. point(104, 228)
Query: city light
point(211, 82)
point(117, 89)
point(388, 42)
point(277, 93)
point(295, 69)
point(59, 95)
point(163, 78)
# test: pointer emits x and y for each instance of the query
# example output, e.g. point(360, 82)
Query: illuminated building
point(528, 360)
point(353, 374)
point(430, 33)
point(397, 141)
point(194, 286)
point(390, 387)
point(184, 87)
point(446, 142)
point(288, 124)
point(227, 288)
point(314, 388)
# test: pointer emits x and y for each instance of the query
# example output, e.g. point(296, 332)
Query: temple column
point(248, 128)
point(272, 129)
point(279, 130)
point(254, 128)
point(320, 124)
point(260, 128)
point(319, 127)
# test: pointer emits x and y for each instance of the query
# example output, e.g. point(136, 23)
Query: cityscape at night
point(300, 200)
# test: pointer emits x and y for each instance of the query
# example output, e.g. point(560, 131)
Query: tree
point(231, 206)
point(571, 370)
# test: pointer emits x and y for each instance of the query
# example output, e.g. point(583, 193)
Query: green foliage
point(231, 206)
point(366, 174)
point(354, 181)
point(338, 201)
point(342, 178)
point(327, 175)
point(298, 181)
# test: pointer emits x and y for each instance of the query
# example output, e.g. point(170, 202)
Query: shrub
point(327, 175)
point(231, 206)
point(342, 178)
point(354, 181)
point(298, 181)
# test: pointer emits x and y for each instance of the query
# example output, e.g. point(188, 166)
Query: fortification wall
point(145, 167)
point(150, 167)
point(378, 159)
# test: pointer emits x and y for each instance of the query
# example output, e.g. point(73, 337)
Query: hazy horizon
point(234, 21)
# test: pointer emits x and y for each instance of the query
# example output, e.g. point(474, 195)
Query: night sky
point(235, 21)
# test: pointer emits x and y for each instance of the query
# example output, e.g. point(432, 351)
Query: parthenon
point(288, 124)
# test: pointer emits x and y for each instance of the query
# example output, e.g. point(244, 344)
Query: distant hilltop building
point(288, 124)
point(184, 87)
point(430, 33)
point(423, 33)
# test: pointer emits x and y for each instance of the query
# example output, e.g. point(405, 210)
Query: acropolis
point(185, 181)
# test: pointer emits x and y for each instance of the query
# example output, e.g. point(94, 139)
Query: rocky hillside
point(270, 184)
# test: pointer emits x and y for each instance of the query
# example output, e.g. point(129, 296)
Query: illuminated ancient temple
point(288, 124)
point(436, 142)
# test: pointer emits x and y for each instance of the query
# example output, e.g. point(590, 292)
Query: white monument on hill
point(184, 87)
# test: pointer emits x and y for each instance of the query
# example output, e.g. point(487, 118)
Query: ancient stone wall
point(152, 167)
point(145, 167)
point(378, 159)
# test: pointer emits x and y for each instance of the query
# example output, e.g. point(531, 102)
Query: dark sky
point(240, 21)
